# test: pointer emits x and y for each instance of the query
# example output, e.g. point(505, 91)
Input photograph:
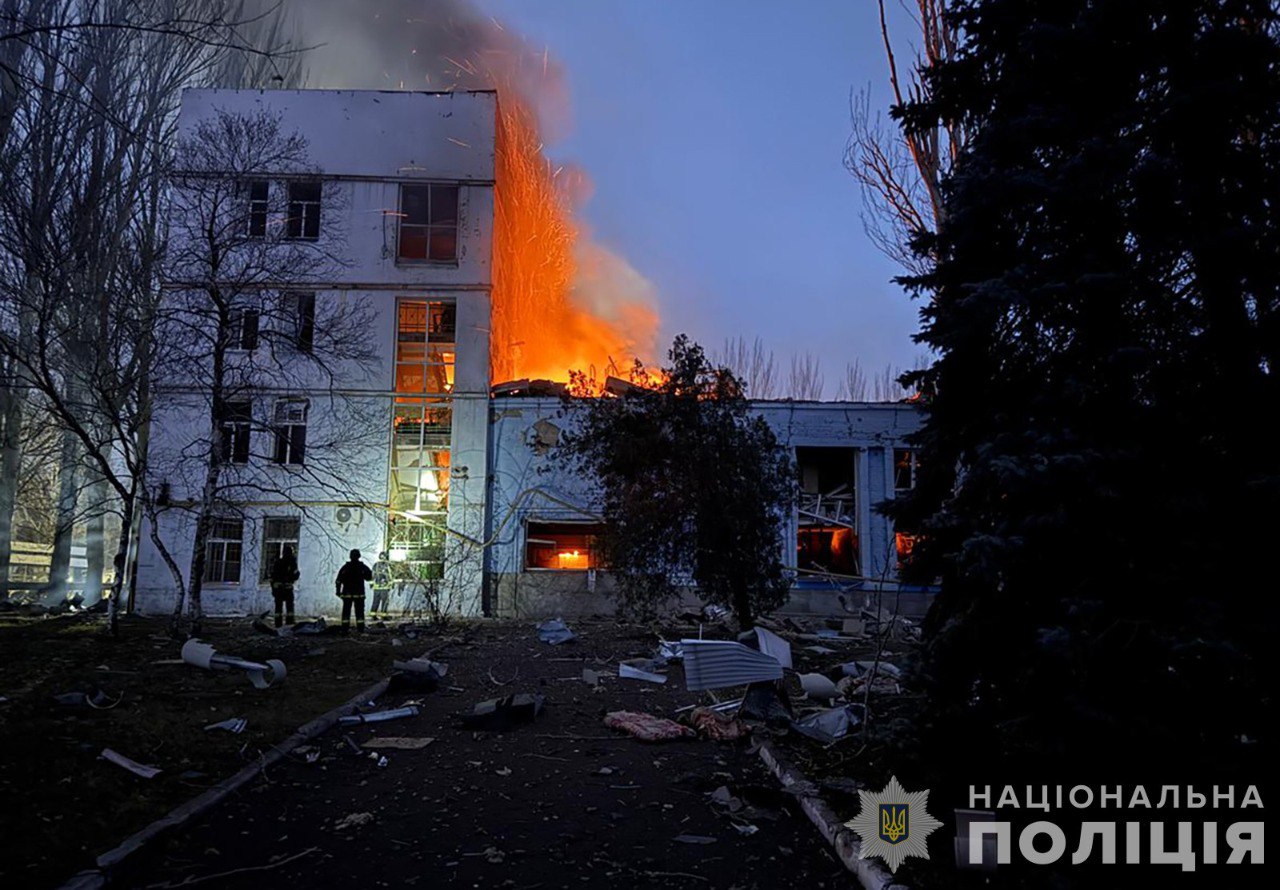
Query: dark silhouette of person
point(284, 573)
point(350, 587)
point(382, 582)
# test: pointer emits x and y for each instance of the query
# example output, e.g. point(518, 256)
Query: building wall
point(363, 145)
point(527, 483)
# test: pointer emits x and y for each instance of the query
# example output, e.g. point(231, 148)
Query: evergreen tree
point(1094, 490)
point(695, 488)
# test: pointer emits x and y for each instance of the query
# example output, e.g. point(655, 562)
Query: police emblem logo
point(893, 824)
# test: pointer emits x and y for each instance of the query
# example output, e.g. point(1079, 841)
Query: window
point(425, 348)
point(243, 331)
point(291, 431)
point(304, 210)
point(223, 550)
point(301, 308)
point(904, 469)
point(428, 223)
point(562, 545)
point(278, 533)
point(259, 194)
point(234, 422)
point(826, 533)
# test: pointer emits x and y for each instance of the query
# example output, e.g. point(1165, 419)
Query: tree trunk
point(11, 405)
point(95, 542)
point(68, 482)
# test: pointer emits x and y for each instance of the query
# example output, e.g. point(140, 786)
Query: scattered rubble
point(235, 725)
point(555, 632)
point(634, 673)
point(379, 716)
point(829, 726)
point(647, 727)
point(138, 769)
point(717, 726)
point(401, 743)
point(716, 664)
point(500, 714)
point(205, 656)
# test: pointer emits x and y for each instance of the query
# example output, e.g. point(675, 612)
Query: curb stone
point(870, 874)
point(103, 875)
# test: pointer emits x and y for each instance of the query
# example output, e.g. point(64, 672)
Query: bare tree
point(806, 381)
point(901, 168)
point(244, 328)
point(89, 95)
point(752, 364)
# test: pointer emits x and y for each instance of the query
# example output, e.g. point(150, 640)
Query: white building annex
point(459, 485)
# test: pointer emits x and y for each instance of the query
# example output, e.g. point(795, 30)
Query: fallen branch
point(189, 881)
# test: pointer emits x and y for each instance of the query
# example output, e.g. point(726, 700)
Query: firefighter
point(381, 588)
point(350, 587)
point(284, 573)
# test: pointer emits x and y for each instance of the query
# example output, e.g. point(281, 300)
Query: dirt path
point(562, 802)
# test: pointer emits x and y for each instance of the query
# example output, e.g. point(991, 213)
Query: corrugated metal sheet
point(716, 664)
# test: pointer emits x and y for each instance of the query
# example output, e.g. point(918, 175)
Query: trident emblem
point(894, 823)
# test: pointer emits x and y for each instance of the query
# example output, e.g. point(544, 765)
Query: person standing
point(284, 574)
point(382, 580)
point(350, 587)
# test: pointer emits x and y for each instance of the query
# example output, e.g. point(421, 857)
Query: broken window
point(425, 347)
point(242, 329)
point(301, 308)
point(826, 533)
point(234, 421)
point(304, 210)
point(278, 533)
point(562, 545)
point(223, 550)
point(291, 431)
point(428, 228)
point(259, 194)
point(904, 469)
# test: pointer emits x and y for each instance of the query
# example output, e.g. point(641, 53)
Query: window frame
point(592, 556)
point(290, 435)
point(300, 218)
point(268, 559)
point(222, 542)
point(301, 307)
point(235, 426)
point(430, 226)
point(245, 323)
point(912, 468)
point(258, 217)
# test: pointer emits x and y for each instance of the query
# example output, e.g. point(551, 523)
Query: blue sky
point(714, 134)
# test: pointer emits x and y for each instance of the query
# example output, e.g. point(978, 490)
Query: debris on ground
point(818, 686)
point(500, 714)
point(670, 650)
point(693, 839)
point(416, 675)
point(401, 743)
point(647, 727)
point(352, 820)
point(771, 644)
point(380, 716)
point(203, 655)
point(767, 704)
point(717, 664)
point(591, 678)
point(231, 724)
point(555, 632)
point(629, 672)
point(716, 726)
point(138, 769)
point(829, 727)
point(98, 700)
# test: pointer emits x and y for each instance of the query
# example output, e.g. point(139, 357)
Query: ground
point(563, 801)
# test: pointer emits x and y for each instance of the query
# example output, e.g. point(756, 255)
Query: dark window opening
point(223, 551)
point(304, 210)
point(428, 229)
point(291, 432)
point(565, 546)
point(826, 533)
point(234, 423)
point(259, 195)
point(304, 321)
point(244, 329)
point(278, 533)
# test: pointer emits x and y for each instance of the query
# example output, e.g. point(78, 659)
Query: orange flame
point(540, 331)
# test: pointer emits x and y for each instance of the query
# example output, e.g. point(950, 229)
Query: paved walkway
point(562, 802)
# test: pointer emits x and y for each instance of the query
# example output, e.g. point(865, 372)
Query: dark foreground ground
point(561, 802)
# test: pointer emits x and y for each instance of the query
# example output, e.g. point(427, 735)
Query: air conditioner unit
point(348, 517)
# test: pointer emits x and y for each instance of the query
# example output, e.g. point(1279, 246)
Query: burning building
point(451, 260)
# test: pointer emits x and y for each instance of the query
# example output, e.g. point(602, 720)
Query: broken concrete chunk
point(500, 714)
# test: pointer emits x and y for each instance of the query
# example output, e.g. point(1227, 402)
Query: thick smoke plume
point(561, 301)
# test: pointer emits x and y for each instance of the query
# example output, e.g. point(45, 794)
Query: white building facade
point(461, 488)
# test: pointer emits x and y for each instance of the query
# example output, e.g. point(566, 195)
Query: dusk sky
point(714, 134)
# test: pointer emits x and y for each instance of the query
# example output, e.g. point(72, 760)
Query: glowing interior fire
point(539, 330)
